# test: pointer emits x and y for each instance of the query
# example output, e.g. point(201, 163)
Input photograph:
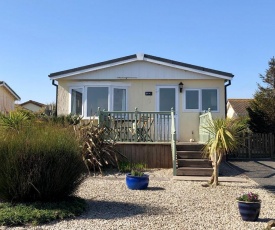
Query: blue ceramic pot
point(249, 211)
point(137, 182)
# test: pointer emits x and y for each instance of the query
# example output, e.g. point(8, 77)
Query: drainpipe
point(56, 97)
point(225, 95)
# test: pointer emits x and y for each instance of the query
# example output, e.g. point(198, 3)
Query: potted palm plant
point(137, 180)
point(249, 206)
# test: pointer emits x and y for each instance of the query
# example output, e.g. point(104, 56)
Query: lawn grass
point(35, 213)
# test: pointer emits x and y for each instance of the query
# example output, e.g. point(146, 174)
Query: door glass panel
point(167, 99)
point(76, 101)
point(119, 100)
point(192, 99)
point(96, 97)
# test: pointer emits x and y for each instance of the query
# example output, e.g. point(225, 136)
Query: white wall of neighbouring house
point(231, 112)
point(32, 107)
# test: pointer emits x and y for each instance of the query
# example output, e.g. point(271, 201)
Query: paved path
point(262, 172)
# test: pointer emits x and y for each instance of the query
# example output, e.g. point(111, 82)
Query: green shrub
point(39, 212)
point(40, 163)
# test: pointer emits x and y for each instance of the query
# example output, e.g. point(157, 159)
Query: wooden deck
point(154, 155)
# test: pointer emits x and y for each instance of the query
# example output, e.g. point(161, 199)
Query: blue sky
point(41, 37)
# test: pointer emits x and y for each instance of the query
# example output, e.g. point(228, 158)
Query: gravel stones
point(166, 204)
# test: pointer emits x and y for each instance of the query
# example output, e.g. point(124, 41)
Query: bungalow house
point(7, 98)
point(148, 83)
point(236, 108)
point(33, 106)
point(141, 83)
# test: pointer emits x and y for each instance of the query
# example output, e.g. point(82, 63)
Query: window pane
point(210, 99)
point(192, 99)
point(119, 100)
point(96, 97)
point(76, 101)
point(167, 99)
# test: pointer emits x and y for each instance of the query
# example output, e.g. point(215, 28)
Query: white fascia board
point(188, 69)
point(92, 69)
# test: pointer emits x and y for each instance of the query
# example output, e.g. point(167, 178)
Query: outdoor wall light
point(180, 86)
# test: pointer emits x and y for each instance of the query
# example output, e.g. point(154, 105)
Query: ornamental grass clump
point(40, 162)
point(249, 197)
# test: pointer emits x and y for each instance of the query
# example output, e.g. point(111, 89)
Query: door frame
point(176, 110)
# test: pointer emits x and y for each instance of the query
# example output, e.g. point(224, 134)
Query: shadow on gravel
point(108, 210)
point(264, 220)
point(155, 188)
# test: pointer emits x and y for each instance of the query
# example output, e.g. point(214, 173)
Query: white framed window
point(85, 100)
point(97, 97)
point(76, 101)
point(119, 99)
point(201, 99)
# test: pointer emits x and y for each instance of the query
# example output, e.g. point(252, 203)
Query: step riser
point(194, 164)
point(194, 172)
point(191, 147)
point(190, 155)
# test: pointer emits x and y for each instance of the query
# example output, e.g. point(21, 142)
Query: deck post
point(173, 142)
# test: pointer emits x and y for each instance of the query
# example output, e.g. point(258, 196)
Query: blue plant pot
point(137, 182)
point(249, 211)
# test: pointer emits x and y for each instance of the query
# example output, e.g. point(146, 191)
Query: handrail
point(205, 118)
point(173, 143)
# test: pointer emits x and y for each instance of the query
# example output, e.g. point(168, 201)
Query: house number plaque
point(148, 93)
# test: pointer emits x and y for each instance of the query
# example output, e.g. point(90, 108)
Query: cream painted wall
point(63, 98)
point(188, 122)
point(6, 100)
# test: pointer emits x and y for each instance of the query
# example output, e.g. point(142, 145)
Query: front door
point(167, 98)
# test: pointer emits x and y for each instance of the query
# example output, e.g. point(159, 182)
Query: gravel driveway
point(166, 204)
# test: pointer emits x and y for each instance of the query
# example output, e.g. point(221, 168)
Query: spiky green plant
point(15, 120)
point(97, 147)
point(224, 138)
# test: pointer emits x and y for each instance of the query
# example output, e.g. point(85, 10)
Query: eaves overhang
point(141, 57)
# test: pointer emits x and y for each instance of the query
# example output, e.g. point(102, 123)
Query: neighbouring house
point(236, 108)
point(33, 106)
point(148, 83)
point(7, 98)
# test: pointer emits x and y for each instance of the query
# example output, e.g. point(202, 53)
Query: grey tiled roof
point(240, 106)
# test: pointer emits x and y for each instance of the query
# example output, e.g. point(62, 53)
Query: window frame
point(85, 86)
point(200, 100)
point(70, 99)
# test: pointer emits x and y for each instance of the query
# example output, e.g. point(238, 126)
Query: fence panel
point(255, 145)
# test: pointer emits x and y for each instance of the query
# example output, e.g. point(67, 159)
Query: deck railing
point(205, 118)
point(137, 126)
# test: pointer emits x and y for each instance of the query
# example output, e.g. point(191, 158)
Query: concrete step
point(191, 171)
point(198, 163)
point(190, 155)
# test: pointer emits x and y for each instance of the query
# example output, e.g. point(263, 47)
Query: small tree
point(262, 108)
point(224, 137)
